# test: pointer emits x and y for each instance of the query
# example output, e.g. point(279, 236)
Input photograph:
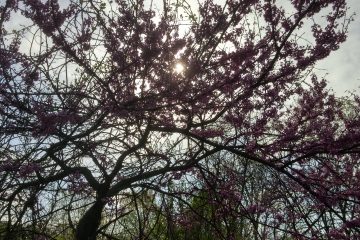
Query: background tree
point(94, 115)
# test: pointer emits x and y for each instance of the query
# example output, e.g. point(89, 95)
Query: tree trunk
point(89, 223)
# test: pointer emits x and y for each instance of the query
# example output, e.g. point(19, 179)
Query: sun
point(179, 68)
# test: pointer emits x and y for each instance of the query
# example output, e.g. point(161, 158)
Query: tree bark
point(89, 223)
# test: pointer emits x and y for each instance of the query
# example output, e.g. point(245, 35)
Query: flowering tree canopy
point(207, 112)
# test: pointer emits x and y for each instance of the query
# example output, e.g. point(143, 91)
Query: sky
point(342, 68)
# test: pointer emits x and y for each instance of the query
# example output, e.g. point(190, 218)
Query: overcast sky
point(343, 66)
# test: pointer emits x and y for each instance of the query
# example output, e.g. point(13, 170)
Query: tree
point(94, 113)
